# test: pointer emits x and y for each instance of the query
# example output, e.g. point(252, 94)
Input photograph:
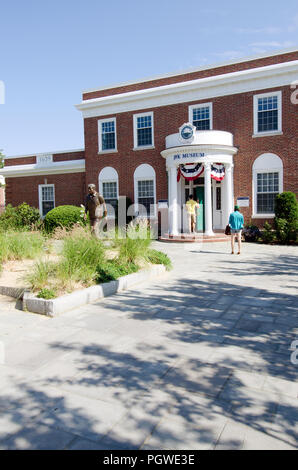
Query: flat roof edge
point(195, 69)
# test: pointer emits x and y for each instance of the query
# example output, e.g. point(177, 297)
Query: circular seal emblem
point(186, 133)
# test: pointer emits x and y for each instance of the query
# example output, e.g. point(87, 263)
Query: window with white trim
point(200, 116)
point(145, 190)
point(46, 198)
point(108, 187)
point(146, 196)
point(267, 113)
point(110, 193)
point(107, 141)
point(267, 183)
point(267, 189)
point(143, 130)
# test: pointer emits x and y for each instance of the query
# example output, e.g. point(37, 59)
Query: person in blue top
point(236, 222)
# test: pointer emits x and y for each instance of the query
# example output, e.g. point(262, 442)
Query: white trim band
point(70, 166)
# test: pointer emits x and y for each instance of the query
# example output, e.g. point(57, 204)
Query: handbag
point(228, 230)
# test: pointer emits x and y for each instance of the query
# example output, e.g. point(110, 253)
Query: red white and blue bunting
point(190, 171)
point(217, 171)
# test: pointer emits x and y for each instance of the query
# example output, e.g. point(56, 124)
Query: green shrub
point(157, 257)
point(281, 226)
point(268, 234)
point(20, 217)
point(286, 217)
point(113, 269)
point(27, 216)
point(8, 218)
point(286, 206)
point(46, 294)
point(63, 216)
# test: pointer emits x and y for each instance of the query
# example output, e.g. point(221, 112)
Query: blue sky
point(52, 50)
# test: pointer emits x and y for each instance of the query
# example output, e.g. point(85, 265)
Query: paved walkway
point(198, 360)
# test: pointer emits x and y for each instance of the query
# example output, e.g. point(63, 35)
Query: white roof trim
point(56, 152)
point(195, 69)
point(259, 78)
point(70, 166)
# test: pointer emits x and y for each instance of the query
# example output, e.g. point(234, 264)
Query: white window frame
point(256, 171)
point(146, 172)
point(149, 178)
point(40, 186)
point(99, 123)
point(112, 177)
point(279, 115)
point(101, 192)
point(135, 131)
point(201, 105)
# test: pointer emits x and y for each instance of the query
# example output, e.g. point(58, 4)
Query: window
point(143, 130)
point(267, 113)
point(145, 190)
point(146, 195)
point(108, 187)
point(200, 115)
point(267, 189)
point(46, 198)
point(110, 194)
point(107, 135)
point(267, 183)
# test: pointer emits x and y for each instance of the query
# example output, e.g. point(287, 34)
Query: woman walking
point(236, 222)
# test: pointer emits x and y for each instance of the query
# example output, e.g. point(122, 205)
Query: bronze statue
point(96, 206)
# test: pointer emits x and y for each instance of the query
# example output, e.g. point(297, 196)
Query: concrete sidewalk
point(198, 360)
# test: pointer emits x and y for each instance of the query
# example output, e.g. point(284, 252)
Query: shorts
point(233, 230)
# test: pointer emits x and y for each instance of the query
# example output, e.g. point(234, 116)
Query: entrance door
point(200, 223)
point(217, 206)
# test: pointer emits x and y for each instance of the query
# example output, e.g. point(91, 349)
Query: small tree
point(286, 217)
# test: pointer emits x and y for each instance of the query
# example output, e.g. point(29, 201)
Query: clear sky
point(52, 50)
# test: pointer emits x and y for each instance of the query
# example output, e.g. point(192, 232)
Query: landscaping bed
point(40, 268)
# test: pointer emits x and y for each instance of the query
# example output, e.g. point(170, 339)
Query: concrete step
point(194, 238)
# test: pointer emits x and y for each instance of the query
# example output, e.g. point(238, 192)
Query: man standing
point(236, 222)
point(96, 206)
point(191, 212)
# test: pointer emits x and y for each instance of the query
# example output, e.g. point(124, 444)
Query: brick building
point(225, 133)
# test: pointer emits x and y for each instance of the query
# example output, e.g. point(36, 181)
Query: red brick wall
point(69, 189)
point(20, 161)
point(192, 75)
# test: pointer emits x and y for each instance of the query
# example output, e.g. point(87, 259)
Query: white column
point(208, 200)
point(228, 197)
point(173, 194)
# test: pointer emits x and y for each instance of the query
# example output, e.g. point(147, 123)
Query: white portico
point(207, 151)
